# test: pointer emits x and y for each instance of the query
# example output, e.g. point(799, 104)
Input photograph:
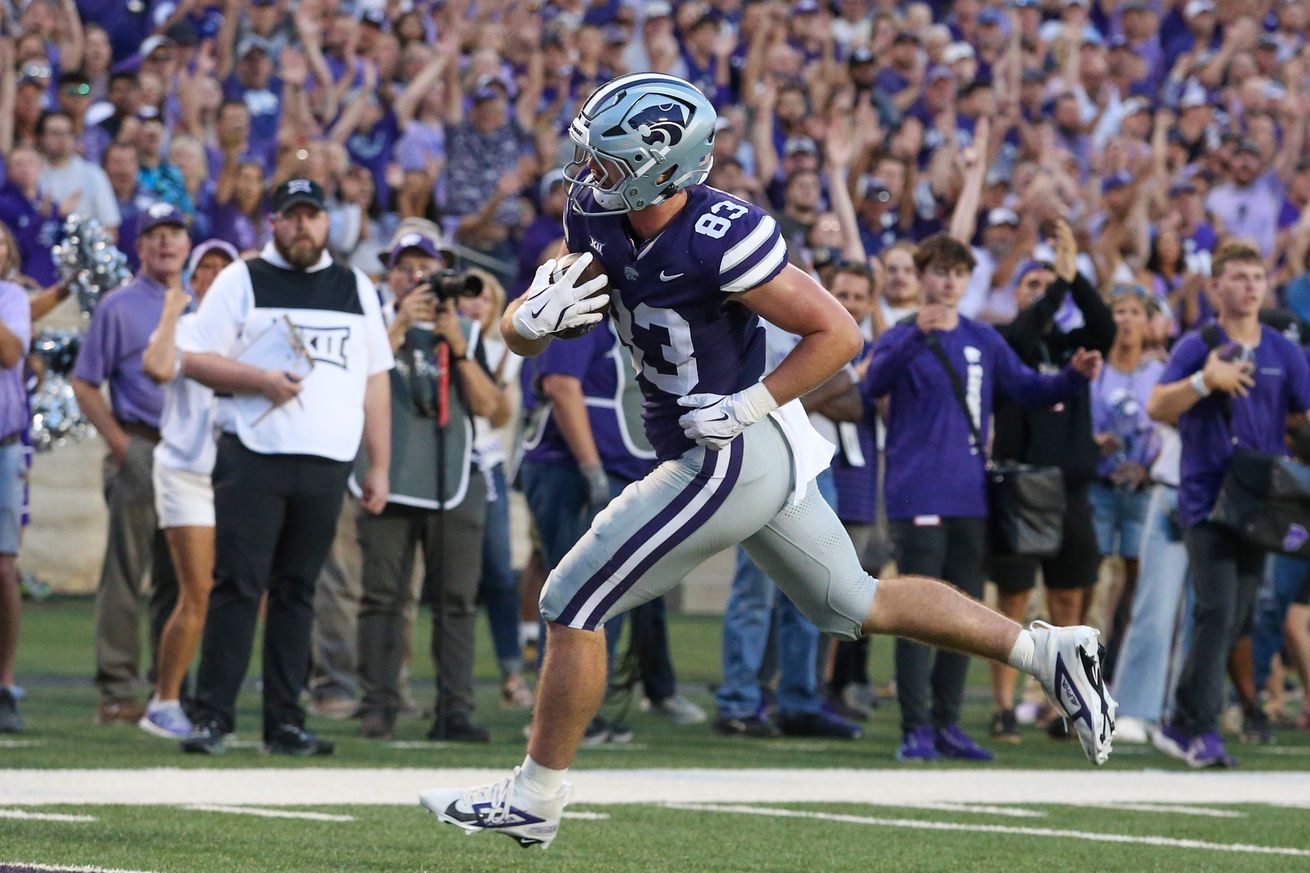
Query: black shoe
point(1005, 728)
point(818, 724)
point(754, 727)
point(296, 742)
point(620, 733)
point(1058, 729)
point(1256, 727)
point(378, 724)
point(205, 739)
point(458, 729)
point(836, 705)
point(11, 720)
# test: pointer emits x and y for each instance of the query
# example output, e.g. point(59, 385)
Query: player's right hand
point(549, 307)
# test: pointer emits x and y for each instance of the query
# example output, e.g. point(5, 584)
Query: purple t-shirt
point(613, 405)
point(673, 299)
point(855, 466)
point(933, 466)
point(16, 315)
point(373, 149)
point(232, 225)
point(113, 345)
point(1119, 408)
point(1259, 420)
point(33, 231)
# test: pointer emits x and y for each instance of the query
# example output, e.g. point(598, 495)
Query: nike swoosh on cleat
point(454, 812)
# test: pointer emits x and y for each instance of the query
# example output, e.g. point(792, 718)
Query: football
point(594, 269)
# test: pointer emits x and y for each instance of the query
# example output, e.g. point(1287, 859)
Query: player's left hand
point(715, 420)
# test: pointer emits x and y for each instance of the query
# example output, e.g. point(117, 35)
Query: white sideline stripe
point(268, 813)
point(317, 787)
point(588, 816)
point(982, 809)
point(911, 823)
point(64, 868)
point(1172, 809)
point(21, 744)
point(44, 816)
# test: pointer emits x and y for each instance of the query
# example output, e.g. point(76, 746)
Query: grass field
point(895, 829)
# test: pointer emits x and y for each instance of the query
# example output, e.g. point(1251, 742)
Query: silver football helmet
point(639, 139)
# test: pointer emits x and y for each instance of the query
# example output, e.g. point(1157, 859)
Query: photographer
point(1237, 395)
point(438, 498)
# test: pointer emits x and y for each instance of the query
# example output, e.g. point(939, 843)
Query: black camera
point(452, 285)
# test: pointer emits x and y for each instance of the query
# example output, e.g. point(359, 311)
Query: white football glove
point(715, 420)
point(549, 307)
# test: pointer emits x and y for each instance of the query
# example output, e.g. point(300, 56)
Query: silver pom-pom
point(89, 262)
point(56, 417)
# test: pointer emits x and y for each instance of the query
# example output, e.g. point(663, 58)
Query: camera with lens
point(451, 285)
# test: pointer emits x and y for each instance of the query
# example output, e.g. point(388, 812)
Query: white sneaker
point(499, 807)
point(1068, 663)
point(676, 709)
point(1130, 729)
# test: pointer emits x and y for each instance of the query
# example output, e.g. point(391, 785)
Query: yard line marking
point(588, 816)
point(24, 867)
point(21, 744)
point(418, 745)
point(980, 809)
point(268, 813)
point(1171, 809)
point(44, 816)
point(994, 829)
point(319, 787)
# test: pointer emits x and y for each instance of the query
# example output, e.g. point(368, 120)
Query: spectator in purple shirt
point(1233, 389)
point(935, 485)
point(34, 219)
point(15, 338)
point(111, 353)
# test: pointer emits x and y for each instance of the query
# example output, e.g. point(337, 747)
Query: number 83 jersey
point(673, 300)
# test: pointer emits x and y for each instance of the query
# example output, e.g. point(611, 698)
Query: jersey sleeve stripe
point(749, 245)
point(768, 267)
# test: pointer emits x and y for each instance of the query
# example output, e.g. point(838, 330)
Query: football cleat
point(499, 807)
point(1068, 664)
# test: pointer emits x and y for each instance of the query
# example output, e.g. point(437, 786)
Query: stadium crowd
point(1011, 185)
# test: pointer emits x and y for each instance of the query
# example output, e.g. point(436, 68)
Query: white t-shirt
point(97, 200)
point(489, 447)
point(348, 344)
point(186, 425)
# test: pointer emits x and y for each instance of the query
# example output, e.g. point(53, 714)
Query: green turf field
point(55, 663)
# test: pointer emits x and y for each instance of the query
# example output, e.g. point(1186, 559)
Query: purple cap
point(939, 72)
point(157, 214)
point(423, 243)
point(211, 245)
point(1030, 266)
point(1115, 182)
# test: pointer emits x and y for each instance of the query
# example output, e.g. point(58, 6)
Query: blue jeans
point(753, 604)
point(1153, 649)
point(1284, 577)
point(498, 588)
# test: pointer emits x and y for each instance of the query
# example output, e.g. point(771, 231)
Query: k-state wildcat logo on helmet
point(659, 124)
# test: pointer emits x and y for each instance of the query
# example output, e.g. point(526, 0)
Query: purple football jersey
point(673, 300)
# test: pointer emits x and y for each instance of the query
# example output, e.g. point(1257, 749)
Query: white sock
point(538, 780)
point(1024, 652)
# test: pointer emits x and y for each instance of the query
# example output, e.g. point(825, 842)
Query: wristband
point(1198, 384)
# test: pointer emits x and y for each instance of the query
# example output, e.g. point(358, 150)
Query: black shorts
point(1075, 566)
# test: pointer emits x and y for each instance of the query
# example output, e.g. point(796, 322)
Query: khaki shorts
point(688, 509)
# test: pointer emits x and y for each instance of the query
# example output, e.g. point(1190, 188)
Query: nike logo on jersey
point(664, 278)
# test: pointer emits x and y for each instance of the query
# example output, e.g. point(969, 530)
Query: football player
point(692, 271)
